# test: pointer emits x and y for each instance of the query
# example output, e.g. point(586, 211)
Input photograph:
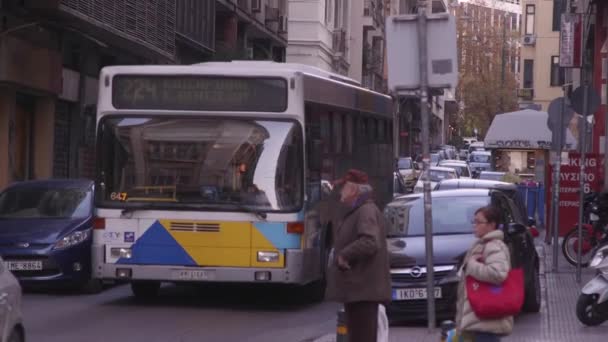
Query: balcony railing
point(196, 22)
point(143, 21)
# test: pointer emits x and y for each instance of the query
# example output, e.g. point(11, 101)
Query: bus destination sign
point(199, 93)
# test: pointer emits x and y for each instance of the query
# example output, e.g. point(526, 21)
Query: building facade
point(541, 78)
point(51, 53)
point(341, 36)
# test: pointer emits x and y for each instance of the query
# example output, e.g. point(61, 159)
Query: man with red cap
point(359, 275)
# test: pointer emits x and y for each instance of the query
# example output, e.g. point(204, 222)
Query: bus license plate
point(413, 294)
point(194, 275)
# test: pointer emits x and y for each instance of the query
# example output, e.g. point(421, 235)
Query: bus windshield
point(208, 163)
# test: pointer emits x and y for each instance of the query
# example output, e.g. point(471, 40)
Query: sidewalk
point(556, 322)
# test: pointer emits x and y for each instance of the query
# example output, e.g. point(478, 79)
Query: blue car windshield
point(45, 203)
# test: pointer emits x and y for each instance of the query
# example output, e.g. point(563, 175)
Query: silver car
point(11, 319)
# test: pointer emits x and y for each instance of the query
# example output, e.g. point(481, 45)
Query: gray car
point(453, 211)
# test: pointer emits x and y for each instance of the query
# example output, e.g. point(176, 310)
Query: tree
point(488, 49)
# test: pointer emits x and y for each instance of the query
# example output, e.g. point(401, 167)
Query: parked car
point(461, 167)
point(477, 146)
point(463, 154)
point(453, 211)
point(436, 158)
point(46, 232)
point(492, 175)
point(480, 161)
point(11, 318)
point(509, 189)
point(437, 174)
point(408, 172)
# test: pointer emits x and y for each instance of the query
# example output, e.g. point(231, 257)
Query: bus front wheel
point(145, 289)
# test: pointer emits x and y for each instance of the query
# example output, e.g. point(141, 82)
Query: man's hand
point(343, 265)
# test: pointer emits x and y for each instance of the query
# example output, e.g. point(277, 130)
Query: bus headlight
point(121, 253)
point(268, 256)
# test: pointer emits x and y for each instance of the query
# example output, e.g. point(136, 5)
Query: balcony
point(149, 25)
point(196, 23)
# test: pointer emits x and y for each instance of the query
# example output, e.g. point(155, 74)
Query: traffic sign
point(577, 99)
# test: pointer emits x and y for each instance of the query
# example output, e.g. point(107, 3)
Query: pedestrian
point(359, 274)
point(488, 260)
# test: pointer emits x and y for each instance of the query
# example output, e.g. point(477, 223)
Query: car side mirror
point(515, 228)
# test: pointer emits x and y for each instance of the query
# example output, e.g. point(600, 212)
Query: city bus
point(222, 171)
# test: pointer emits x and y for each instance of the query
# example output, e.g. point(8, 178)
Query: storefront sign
point(569, 196)
point(571, 41)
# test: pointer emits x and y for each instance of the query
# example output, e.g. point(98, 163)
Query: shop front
point(520, 143)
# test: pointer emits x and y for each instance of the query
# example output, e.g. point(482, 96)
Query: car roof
point(481, 152)
point(52, 184)
point(448, 193)
point(452, 161)
point(494, 172)
point(465, 183)
point(440, 168)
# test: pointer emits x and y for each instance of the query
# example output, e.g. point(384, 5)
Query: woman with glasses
point(488, 260)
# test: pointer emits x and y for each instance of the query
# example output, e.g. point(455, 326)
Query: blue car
point(46, 232)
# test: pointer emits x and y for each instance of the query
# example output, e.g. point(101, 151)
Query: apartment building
point(342, 36)
point(541, 78)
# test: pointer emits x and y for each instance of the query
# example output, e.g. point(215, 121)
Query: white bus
point(218, 172)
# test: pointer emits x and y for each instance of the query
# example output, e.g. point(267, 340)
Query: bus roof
point(288, 67)
point(320, 86)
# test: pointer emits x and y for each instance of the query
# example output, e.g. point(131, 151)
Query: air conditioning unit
point(283, 22)
point(525, 93)
point(529, 39)
point(256, 6)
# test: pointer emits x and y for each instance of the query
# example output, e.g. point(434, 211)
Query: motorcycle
point(595, 230)
point(592, 304)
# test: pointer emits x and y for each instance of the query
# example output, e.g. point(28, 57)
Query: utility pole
point(424, 116)
point(503, 64)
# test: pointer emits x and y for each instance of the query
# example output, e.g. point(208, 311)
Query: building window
point(557, 74)
point(513, 22)
point(558, 9)
point(530, 12)
point(328, 11)
point(528, 73)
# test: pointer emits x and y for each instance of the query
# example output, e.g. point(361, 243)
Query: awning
point(524, 129)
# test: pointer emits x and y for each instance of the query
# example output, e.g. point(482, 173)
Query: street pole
point(556, 187)
point(583, 149)
point(504, 56)
point(424, 116)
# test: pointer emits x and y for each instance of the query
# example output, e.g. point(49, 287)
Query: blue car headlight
point(73, 239)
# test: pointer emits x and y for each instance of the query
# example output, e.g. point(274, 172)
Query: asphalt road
point(179, 314)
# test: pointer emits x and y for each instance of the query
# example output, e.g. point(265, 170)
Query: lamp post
point(503, 62)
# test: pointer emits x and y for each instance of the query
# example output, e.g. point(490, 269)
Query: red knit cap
point(353, 176)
